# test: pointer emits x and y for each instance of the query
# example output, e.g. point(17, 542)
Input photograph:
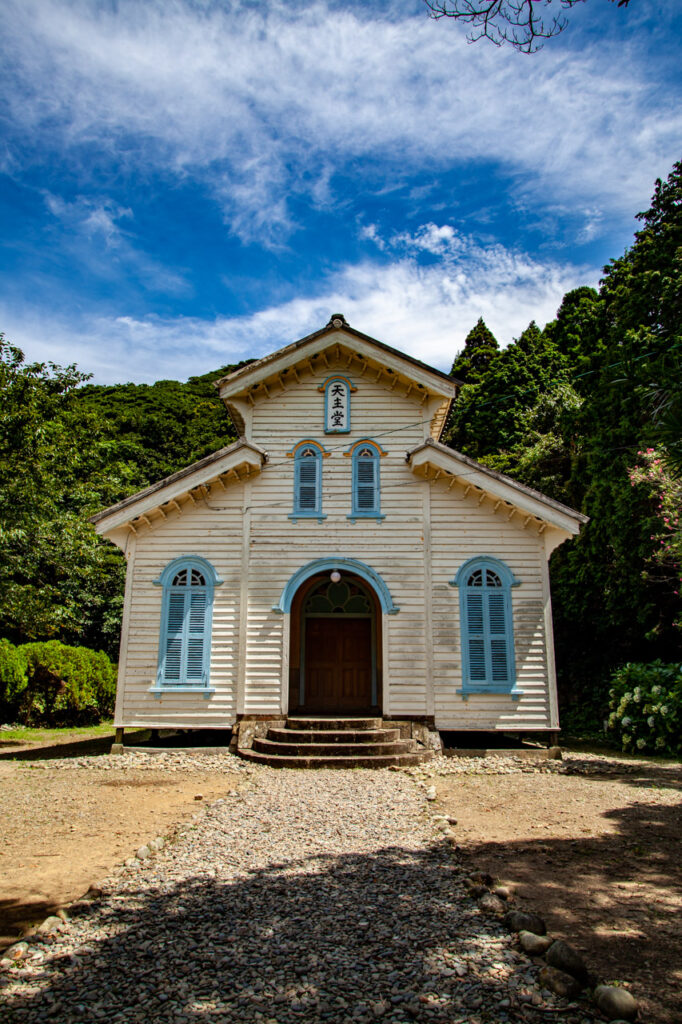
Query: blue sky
point(186, 184)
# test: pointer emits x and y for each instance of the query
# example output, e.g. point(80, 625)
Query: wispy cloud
point(264, 103)
point(424, 310)
point(93, 218)
point(438, 241)
point(97, 233)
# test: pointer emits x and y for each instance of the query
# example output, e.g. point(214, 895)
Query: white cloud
point(265, 102)
point(426, 311)
point(95, 238)
point(439, 241)
point(90, 217)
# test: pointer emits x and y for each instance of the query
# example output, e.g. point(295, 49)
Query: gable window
point(366, 495)
point(307, 481)
point(186, 615)
point(487, 626)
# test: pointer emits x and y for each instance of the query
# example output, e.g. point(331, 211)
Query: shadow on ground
point(616, 895)
point(346, 938)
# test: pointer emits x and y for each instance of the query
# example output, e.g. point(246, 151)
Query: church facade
point(338, 559)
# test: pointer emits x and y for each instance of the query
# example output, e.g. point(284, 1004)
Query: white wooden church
point(338, 560)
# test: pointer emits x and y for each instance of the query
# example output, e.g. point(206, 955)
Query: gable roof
point(488, 482)
point(242, 456)
point(242, 384)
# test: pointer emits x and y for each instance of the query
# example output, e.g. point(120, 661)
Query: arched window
point(307, 481)
point(366, 483)
point(186, 613)
point(487, 626)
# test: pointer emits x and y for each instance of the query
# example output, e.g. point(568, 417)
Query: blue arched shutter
point(308, 482)
point(487, 629)
point(366, 489)
point(186, 646)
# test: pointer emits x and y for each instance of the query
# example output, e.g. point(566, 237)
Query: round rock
point(559, 982)
point(493, 904)
point(50, 924)
point(520, 921)
point(534, 945)
point(567, 959)
point(615, 1003)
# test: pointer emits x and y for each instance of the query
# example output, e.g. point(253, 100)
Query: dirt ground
point(63, 829)
point(599, 857)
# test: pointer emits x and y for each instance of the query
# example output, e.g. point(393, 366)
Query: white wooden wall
point(461, 528)
point(213, 530)
point(247, 536)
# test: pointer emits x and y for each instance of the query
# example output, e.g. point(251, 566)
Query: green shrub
point(66, 685)
point(13, 679)
point(646, 708)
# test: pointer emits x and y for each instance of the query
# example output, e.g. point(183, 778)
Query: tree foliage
point(480, 348)
point(53, 684)
point(68, 449)
point(576, 410)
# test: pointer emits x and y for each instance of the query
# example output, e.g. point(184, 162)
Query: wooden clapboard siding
point(211, 529)
point(461, 528)
point(392, 547)
point(245, 531)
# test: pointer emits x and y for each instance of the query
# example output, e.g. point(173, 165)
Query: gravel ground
point(304, 896)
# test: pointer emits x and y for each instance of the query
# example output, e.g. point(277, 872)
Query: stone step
point(365, 750)
point(333, 724)
point(382, 761)
point(287, 735)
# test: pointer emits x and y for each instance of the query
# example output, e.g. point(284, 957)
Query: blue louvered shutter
point(366, 484)
point(476, 637)
point(174, 637)
point(185, 638)
point(307, 490)
point(307, 484)
point(497, 634)
point(486, 613)
point(196, 632)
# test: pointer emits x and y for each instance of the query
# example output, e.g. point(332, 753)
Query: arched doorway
point(335, 646)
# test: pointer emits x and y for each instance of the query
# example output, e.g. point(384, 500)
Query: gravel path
point(300, 896)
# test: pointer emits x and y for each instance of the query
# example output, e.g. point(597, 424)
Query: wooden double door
point(339, 664)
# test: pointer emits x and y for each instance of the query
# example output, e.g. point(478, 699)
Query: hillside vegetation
point(588, 410)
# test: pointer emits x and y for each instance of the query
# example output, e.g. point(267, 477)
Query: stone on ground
point(308, 896)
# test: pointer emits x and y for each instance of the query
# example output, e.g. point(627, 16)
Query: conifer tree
point(480, 348)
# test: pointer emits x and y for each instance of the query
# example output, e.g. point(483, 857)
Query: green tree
point(614, 600)
point(57, 466)
point(492, 415)
point(480, 348)
point(169, 424)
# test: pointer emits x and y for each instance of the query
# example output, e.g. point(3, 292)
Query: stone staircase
point(335, 743)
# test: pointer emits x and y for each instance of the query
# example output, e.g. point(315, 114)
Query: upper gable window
point(366, 500)
point(337, 392)
point(307, 481)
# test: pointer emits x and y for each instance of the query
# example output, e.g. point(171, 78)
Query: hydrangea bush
point(646, 708)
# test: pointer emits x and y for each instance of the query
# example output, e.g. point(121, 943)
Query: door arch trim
point(351, 565)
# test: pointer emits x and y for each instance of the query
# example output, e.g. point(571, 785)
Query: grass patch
point(25, 734)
